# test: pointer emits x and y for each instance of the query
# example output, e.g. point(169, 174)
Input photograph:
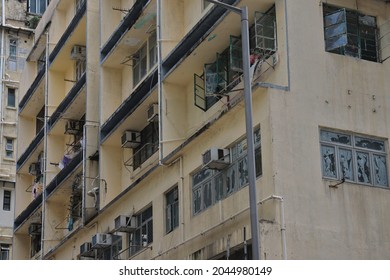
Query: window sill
point(10, 108)
point(331, 182)
point(9, 159)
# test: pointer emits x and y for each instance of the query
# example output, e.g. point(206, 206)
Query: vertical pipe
point(283, 229)
point(249, 134)
point(2, 66)
point(159, 77)
point(45, 146)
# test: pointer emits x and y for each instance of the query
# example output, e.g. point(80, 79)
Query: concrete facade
point(15, 43)
point(129, 115)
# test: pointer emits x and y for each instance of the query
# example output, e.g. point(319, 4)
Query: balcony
point(71, 29)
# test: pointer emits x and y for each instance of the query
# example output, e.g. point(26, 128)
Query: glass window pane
point(258, 163)
point(207, 194)
point(201, 175)
point(11, 97)
point(371, 144)
point(218, 186)
point(334, 137)
point(230, 180)
point(363, 167)
point(243, 172)
point(346, 164)
point(380, 170)
point(328, 161)
point(196, 198)
point(334, 18)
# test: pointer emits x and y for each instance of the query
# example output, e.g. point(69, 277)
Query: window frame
point(142, 59)
point(352, 20)
point(172, 209)
point(9, 152)
point(356, 165)
point(216, 182)
point(5, 251)
point(37, 7)
point(7, 196)
point(144, 222)
point(11, 91)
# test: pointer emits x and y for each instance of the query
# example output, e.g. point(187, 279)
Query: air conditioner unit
point(131, 139)
point(9, 147)
point(101, 240)
point(125, 223)
point(73, 127)
point(34, 168)
point(215, 158)
point(86, 250)
point(153, 113)
point(34, 229)
point(78, 52)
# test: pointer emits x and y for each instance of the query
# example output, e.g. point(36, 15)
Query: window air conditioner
point(125, 223)
point(216, 158)
point(9, 147)
point(73, 127)
point(101, 240)
point(34, 168)
point(153, 113)
point(131, 139)
point(86, 250)
point(78, 52)
point(34, 229)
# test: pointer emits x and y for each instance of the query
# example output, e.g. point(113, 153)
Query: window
point(12, 49)
point(148, 146)
point(37, 6)
point(222, 75)
point(9, 147)
point(112, 252)
point(80, 68)
point(144, 232)
point(209, 186)
point(354, 158)
point(350, 33)
point(4, 251)
point(148, 52)
point(7, 200)
point(172, 210)
point(12, 59)
point(11, 100)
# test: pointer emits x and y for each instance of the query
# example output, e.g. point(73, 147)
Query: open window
point(384, 41)
point(265, 32)
point(350, 33)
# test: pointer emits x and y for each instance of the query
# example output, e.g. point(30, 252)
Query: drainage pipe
point(282, 222)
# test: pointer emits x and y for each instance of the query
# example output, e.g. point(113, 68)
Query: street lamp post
point(243, 12)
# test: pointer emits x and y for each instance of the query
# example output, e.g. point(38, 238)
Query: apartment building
point(16, 27)
point(132, 142)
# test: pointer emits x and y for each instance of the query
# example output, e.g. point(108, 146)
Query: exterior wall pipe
point(159, 83)
point(2, 65)
point(45, 146)
point(282, 222)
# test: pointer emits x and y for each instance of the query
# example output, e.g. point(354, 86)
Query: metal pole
point(249, 125)
point(249, 134)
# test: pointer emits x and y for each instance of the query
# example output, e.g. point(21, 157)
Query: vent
point(78, 52)
point(153, 113)
point(34, 229)
point(125, 223)
point(216, 158)
point(131, 139)
point(101, 240)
